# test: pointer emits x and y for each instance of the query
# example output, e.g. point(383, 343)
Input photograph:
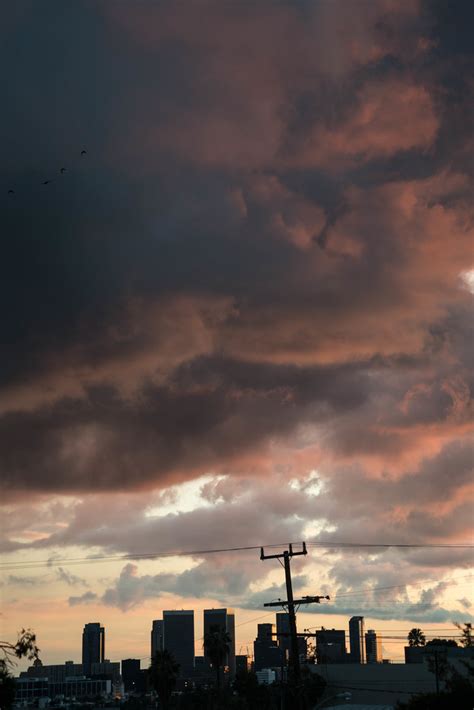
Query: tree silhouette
point(416, 637)
point(25, 646)
point(163, 673)
point(216, 648)
point(466, 634)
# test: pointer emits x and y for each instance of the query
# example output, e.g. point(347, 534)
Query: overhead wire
point(54, 562)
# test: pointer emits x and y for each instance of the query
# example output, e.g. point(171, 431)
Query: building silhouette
point(107, 670)
point(356, 639)
point(131, 675)
point(93, 646)
point(54, 673)
point(241, 664)
point(283, 633)
point(373, 647)
point(224, 619)
point(267, 653)
point(178, 639)
point(284, 639)
point(331, 646)
point(156, 637)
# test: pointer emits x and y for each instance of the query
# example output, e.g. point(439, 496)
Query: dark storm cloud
point(209, 411)
point(108, 230)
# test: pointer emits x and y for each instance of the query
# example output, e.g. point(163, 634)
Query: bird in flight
point(11, 192)
point(83, 152)
point(46, 182)
point(62, 171)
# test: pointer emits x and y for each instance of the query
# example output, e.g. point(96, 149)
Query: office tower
point(283, 633)
point(267, 653)
point(373, 647)
point(131, 675)
point(356, 639)
point(284, 639)
point(156, 637)
point(178, 638)
point(224, 619)
point(93, 646)
point(331, 646)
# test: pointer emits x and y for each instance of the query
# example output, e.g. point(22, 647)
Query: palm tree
point(163, 673)
point(416, 637)
point(216, 648)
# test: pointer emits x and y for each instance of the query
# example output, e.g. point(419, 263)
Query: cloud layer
point(258, 272)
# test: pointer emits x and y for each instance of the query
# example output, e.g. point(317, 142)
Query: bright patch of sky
point(183, 498)
point(468, 279)
point(312, 485)
point(315, 527)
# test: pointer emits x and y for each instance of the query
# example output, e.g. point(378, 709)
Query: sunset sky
point(243, 317)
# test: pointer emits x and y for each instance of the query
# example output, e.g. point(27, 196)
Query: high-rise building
point(331, 646)
point(178, 638)
point(131, 675)
point(93, 646)
point(283, 633)
point(156, 637)
point(356, 639)
point(267, 653)
point(224, 619)
point(373, 647)
point(284, 639)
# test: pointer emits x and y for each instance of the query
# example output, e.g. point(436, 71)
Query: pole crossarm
point(303, 600)
point(290, 552)
point(285, 634)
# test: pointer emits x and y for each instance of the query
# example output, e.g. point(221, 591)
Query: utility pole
point(436, 672)
point(290, 604)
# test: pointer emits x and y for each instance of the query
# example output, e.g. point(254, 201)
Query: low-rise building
point(266, 676)
point(30, 689)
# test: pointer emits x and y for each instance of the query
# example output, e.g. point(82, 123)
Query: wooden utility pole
point(289, 603)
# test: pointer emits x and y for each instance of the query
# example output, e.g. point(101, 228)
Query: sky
point(240, 315)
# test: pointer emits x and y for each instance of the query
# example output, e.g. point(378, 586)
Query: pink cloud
point(371, 129)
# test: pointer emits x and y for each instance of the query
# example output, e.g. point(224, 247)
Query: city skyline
point(237, 287)
point(387, 643)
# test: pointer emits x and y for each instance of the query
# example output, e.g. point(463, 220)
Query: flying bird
point(62, 171)
point(11, 192)
point(83, 152)
point(46, 182)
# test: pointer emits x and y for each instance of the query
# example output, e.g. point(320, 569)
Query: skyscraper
point(356, 639)
point(156, 637)
point(283, 633)
point(267, 653)
point(373, 647)
point(284, 640)
point(93, 646)
point(131, 674)
point(331, 646)
point(178, 638)
point(224, 619)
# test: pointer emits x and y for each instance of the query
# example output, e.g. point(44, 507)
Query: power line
point(393, 586)
point(351, 545)
point(118, 558)
point(197, 553)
